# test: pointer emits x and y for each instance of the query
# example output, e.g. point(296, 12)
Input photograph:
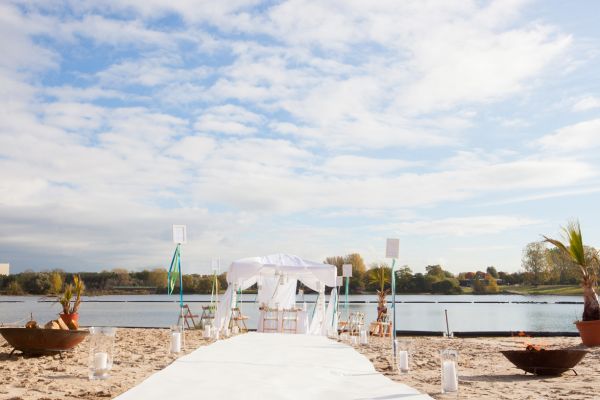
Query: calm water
point(413, 312)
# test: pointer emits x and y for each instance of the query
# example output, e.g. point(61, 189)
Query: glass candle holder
point(449, 363)
point(176, 339)
point(332, 333)
point(364, 337)
point(402, 356)
point(354, 340)
point(102, 341)
point(344, 336)
point(207, 331)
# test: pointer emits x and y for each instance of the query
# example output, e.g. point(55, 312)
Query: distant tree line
point(106, 282)
point(540, 265)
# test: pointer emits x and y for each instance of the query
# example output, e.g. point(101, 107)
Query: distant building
point(4, 269)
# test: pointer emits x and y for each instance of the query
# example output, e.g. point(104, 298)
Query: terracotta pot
point(68, 318)
point(589, 332)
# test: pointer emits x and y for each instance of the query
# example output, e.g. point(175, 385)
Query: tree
point(435, 271)
point(404, 278)
point(14, 289)
point(56, 283)
point(478, 286)
point(575, 250)
point(534, 262)
point(446, 286)
point(492, 286)
point(492, 271)
point(158, 278)
point(359, 269)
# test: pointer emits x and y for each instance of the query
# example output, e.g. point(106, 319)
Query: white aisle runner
point(272, 366)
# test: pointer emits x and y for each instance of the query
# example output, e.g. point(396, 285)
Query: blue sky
point(465, 128)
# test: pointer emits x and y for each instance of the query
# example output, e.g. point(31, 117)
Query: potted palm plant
point(380, 276)
point(574, 250)
point(70, 314)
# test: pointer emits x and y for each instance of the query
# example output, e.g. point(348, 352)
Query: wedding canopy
point(276, 277)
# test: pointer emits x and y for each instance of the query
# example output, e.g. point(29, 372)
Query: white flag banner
point(179, 234)
point(392, 248)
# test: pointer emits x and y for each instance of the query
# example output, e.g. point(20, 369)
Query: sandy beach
point(484, 372)
point(138, 354)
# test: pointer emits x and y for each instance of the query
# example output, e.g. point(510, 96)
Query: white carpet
point(272, 366)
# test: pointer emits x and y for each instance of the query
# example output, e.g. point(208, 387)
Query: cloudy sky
point(465, 128)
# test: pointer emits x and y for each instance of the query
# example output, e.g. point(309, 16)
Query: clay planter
point(589, 332)
point(68, 318)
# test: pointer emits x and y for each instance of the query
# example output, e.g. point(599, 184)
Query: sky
point(466, 129)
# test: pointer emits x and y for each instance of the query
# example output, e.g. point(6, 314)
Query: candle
point(403, 360)
point(364, 338)
point(207, 332)
point(449, 376)
point(100, 361)
point(175, 342)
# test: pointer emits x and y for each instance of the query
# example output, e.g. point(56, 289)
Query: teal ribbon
point(174, 273)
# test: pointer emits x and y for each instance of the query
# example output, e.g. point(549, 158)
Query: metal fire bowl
point(545, 362)
point(42, 341)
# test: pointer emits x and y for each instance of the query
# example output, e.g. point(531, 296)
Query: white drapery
point(276, 277)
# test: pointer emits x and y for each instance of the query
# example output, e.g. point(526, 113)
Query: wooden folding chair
point(270, 322)
point(237, 319)
point(187, 315)
point(289, 321)
point(356, 323)
point(208, 315)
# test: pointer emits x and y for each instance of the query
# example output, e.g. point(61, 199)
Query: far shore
point(518, 290)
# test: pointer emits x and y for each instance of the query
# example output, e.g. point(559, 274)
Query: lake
point(413, 312)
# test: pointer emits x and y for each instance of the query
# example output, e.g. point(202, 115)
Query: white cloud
point(228, 120)
point(290, 116)
point(577, 137)
point(465, 226)
point(587, 103)
point(350, 165)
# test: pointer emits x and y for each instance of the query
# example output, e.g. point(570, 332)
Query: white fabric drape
point(277, 276)
point(331, 321)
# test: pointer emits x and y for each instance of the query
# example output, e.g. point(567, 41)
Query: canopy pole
point(393, 335)
point(346, 305)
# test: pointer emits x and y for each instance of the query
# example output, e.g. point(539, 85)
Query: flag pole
point(394, 307)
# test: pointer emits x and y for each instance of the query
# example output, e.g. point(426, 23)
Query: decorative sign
point(392, 248)
point(179, 234)
point(347, 270)
point(340, 281)
point(215, 264)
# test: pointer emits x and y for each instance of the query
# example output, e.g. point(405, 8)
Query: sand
point(484, 372)
point(138, 354)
